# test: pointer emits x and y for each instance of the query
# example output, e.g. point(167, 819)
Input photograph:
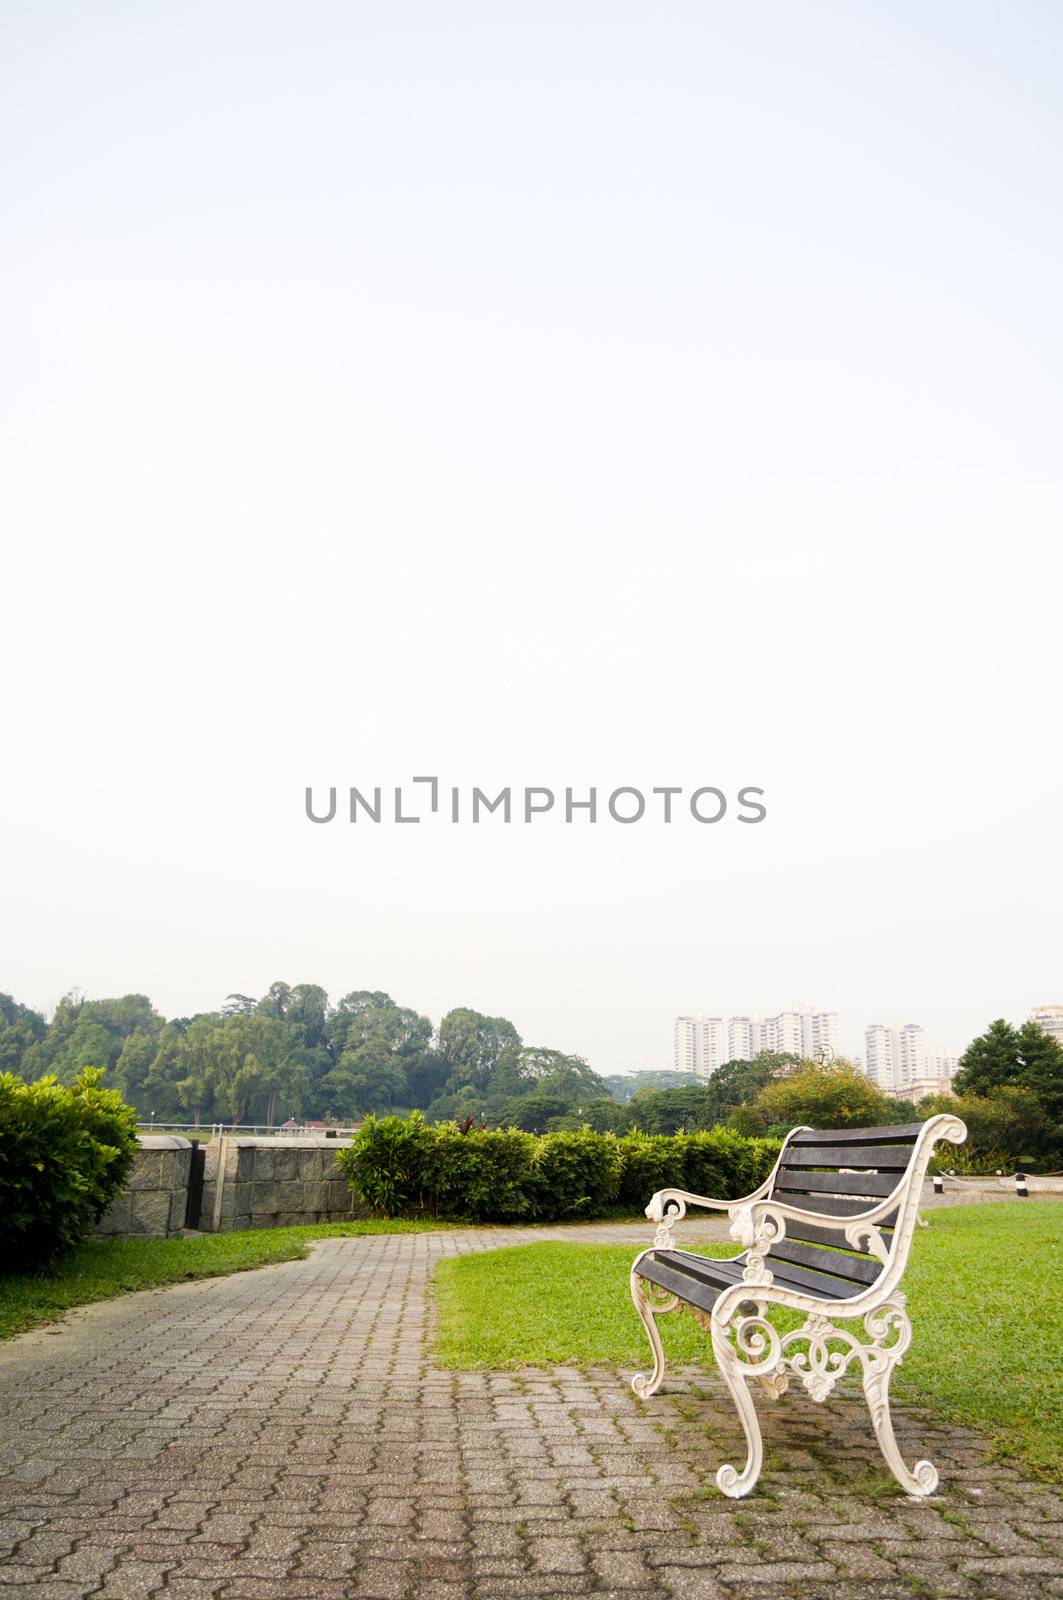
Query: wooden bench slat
point(808, 1233)
point(887, 1156)
point(790, 1180)
point(905, 1133)
point(832, 1206)
point(857, 1268)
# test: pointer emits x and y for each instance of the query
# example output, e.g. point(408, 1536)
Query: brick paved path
point(281, 1435)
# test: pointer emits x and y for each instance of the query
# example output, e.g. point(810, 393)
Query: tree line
point(292, 1054)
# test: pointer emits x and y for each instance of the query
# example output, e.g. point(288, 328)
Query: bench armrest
point(673, 1204)
point(760, 1223)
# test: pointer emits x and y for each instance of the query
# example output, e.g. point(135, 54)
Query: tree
point(835, 1096)
point(532, 1112)
point(668, 1110)
point(240, 1069)
point(91, 1033)
point(476, 1049)
point(990, 1061)
point(621, 1086)
point(239, 1005)
point(550, 1072)
point(1014, 1058)
point(374, 1044)
point(1005, 1128)
point(20, 1028)
point(737, 1083)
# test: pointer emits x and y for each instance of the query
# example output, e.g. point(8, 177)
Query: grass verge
point(982, 1285)
point(102, 1268)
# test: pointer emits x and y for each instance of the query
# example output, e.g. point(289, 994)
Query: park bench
point(827, 1234)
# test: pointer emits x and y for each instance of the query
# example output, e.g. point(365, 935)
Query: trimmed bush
point(577, 1174)
point(406, 1167)
point(725, 1164)
point(64, 1154)
point(651, 1161)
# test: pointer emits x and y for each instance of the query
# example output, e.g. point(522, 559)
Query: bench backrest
point(813, 1176)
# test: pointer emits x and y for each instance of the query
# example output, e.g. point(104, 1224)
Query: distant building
point(686, 1044)
point(702, 1044)
point(1050, 1018)
point(712, 1045)
point(699, 1044)
point(898, 1059)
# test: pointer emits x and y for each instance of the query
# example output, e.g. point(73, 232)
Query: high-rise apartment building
point(702, 1044)
point(898, 1058)
point(699, 1044)
point(743, 1038)
point(1050, 1018)
point(686, 1044)
point(882, 1050)
point(712, 1045)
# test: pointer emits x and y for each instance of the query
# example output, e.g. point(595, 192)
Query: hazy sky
point(535, 394)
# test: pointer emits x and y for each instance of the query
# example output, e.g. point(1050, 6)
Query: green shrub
point(577, 1174)
point(726, 1165)
point(486, 1174)
point(407, 1167)
point(64, 1154)
point(391, 1164)
point(650, 1161)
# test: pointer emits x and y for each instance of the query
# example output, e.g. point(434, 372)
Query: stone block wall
point(274, 1183)
point(152, 1206)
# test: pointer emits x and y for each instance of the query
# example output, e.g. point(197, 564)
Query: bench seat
point(700, 1280)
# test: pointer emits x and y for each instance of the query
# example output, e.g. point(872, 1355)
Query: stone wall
point(152, 1206)
point(274, 1183)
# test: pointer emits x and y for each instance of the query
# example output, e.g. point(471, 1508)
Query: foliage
point(721, 1162)
point(622, 1085)
point(20, 1028)
point(89, 1033)
point(410, 1167)
point(652, 1161)
point(64, 1154)
point(558, 1303)
point(837, 1095)
point(577, 1174)
point(99, 1269)
point(1005, 1129)
point(1014, 1058)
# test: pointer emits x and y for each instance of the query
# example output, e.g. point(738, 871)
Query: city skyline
point(897, 1056)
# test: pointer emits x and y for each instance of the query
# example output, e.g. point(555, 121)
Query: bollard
point(1021, 1191)
point(939, 1184)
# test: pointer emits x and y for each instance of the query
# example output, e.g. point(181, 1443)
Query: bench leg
point(729, 1480)
point(923, 1478)
point(649, 1310)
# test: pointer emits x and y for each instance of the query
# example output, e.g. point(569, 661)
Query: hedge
point(64, 1154)
point(407, 1167)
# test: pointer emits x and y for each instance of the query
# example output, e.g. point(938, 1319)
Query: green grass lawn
point(101, 1268)
point(983, 1294)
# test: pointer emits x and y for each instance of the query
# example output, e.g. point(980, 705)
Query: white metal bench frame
point(746, 1345)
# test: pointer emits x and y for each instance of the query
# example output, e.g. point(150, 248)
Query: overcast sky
point(555, 394)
